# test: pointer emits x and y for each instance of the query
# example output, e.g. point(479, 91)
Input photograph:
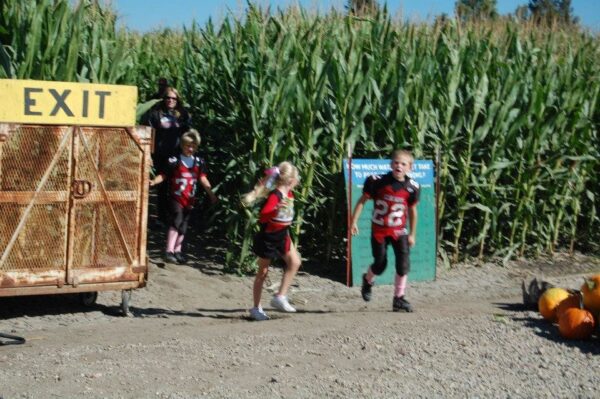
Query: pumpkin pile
point(591, 294)
point(576, 312)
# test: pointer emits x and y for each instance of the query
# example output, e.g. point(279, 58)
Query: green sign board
point(423, 254)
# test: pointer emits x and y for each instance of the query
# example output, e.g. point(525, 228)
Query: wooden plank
point(48, 197)
point(25, 197)
point(71, 208)
point(68, 289)
point(89, 104)
point(144, 188)
point(102, 274)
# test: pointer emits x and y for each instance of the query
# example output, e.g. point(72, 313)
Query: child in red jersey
point(395, 197)
point(273, 240)
point(182, 173)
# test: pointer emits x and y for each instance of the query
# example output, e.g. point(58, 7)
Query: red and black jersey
point(277, 213)
point(391, 200)
point(183, 180)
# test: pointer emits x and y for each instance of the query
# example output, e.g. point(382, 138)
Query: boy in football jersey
point(182, 173)
point(395, 196)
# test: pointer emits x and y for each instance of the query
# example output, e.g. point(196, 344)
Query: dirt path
point(190, 337)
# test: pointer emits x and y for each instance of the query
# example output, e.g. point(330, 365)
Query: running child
point(273, 240)
point(395, 197)
point(182, 174)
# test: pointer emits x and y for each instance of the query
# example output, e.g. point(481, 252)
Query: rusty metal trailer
point(73, 209)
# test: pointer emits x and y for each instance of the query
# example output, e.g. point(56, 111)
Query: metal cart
point(73, 210)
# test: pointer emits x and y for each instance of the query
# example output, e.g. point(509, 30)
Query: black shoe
point(170, 257)
point(366, 289)
point(401, 304)
point(181, 258)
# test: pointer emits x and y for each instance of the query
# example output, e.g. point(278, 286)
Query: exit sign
point(66, 103)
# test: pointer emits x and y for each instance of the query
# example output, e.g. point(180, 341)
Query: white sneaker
point(281, 303)
point(258, 314)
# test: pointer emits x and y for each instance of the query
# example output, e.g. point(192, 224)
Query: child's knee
point(295, 265)
point(378, 267)
point(262, 273)
point(292, 260)
point(402, 266)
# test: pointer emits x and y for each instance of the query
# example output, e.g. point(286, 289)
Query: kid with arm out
point(395, 197)
point(273, 240)
point(182, 173)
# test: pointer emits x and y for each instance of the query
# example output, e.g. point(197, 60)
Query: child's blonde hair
point(406, 153)
point(282, 174)
point(190, 137)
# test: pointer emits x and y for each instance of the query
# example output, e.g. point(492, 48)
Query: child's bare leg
point(178, 243)
point(171, 239)
point(370, 276)
point(400, 285)
point(261, 275)
point(292, 261)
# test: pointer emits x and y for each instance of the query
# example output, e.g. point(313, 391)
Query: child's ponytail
point(284, 173)
point(263, 187)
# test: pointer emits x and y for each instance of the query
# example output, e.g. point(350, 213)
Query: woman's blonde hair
point(190, 137)
point(171, 89)
point(283, 174)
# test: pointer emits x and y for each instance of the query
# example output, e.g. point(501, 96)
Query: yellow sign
point(65, 103)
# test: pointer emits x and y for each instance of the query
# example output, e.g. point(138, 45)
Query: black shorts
point(272, 245)
point(179, 217)
point(401, 253)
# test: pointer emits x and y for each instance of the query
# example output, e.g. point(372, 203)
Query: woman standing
point(170, 120)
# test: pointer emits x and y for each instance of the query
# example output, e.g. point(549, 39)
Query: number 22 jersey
point(391, 200)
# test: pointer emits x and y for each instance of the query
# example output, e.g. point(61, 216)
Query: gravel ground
point(189, 336)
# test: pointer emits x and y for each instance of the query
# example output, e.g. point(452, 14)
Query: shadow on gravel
point(206, 252)
point(42, 305)
point(224, 313)
point(512, 307)
point(219, 313)
point(335, 270)
point(544, 329)
point(232, 314)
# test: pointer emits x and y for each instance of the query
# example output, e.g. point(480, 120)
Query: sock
point(171, 238)
point(400, 285)
point(178, 243)
point(370, 276)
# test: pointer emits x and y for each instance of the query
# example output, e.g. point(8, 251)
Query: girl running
point(273, 240)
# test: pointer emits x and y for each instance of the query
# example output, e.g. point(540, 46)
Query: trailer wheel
point(125, 299)
point(88, 298)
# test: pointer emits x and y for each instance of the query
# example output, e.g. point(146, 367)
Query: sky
point(146, 15)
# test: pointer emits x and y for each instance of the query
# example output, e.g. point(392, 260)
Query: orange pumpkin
point(591, 294)
point(549, 300)
point(576, 324)
point(572, 301)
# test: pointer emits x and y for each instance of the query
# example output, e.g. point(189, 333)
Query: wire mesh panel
point(73, 208)
point(35, 164)
point(120, 160)
point(106, 201)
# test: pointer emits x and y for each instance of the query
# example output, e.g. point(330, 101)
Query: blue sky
point(145, 15)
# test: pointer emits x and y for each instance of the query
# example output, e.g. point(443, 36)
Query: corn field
point(511, 109)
